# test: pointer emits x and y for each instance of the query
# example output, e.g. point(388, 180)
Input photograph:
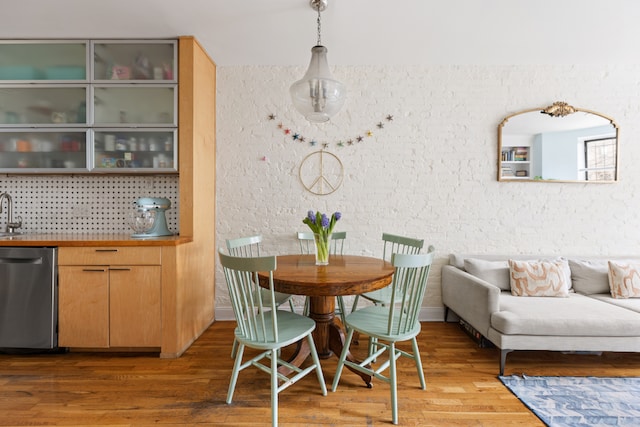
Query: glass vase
point(322, 242)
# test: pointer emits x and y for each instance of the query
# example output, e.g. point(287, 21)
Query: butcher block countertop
point(90, 239)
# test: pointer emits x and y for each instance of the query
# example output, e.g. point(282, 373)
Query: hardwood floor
point(101, 389)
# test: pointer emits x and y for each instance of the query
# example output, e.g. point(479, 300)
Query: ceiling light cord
point(319, 27)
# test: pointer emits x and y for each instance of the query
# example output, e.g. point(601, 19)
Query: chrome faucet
point(11, 225)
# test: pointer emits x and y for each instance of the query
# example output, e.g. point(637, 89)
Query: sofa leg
point(503, 359)
point(446, 313)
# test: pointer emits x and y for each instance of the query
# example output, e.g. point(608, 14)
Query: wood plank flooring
point(102, 389)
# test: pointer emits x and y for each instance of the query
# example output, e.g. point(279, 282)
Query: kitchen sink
point(4, 234)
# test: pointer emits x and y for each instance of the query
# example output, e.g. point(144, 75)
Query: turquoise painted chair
point(336, 247)
point(264, 328)
point(392, 244)
point(391, 323)
point(250, 247)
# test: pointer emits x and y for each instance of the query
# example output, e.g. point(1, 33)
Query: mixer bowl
point(141, 222)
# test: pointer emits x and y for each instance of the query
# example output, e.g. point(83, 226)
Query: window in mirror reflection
point(600, 159)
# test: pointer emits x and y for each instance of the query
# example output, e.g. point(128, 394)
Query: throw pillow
point(494, 272)
point(539, 278)
point(589, 277)
point(624, 279)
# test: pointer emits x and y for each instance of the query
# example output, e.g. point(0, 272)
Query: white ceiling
point(356, 32)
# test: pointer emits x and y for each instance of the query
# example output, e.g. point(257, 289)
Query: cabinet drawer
point(110, 255)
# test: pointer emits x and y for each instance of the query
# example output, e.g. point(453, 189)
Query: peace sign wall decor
point(321, 173)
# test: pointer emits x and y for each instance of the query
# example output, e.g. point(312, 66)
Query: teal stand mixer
point(159, 205)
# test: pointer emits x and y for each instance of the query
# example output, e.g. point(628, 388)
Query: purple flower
point(312, 216)
point(320, 223)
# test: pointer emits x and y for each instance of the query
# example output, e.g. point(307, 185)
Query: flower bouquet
point(322, 228)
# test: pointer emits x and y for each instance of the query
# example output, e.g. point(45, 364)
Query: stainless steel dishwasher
point(28, 298)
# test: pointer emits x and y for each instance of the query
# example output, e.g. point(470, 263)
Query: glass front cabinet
point(90, 106)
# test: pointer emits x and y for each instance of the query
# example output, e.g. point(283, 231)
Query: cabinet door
point(135, 306)
point(131, 60)
point(134, 106)
point(58, 61)
point(83, 306)
point(57, 106)
point(126, 150)
point(40, 150)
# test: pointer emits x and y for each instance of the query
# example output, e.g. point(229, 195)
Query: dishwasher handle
point(13, 260)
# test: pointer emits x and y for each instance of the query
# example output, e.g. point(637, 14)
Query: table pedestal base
point(328, 336)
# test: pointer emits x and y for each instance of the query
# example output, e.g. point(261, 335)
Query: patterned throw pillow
point(539, 278)
point(624, 280)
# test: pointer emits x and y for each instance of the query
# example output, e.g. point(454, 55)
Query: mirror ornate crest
point(558, 143)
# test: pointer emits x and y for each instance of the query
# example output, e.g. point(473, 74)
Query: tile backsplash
point(84, 204)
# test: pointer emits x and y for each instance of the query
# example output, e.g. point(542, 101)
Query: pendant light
point(318, 96)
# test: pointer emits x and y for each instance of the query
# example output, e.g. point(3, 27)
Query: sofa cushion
point(627, 303)
point(494, 272)
point(563, 317)
point(589, 276)
point(540, 278)
point(624, 279)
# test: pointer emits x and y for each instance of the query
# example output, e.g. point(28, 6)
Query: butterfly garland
point(298, 137)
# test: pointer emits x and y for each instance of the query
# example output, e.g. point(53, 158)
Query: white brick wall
point(431, 173)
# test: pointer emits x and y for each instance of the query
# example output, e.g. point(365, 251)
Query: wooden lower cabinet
point(135, 306)
point(114, 305)
point(83, 306)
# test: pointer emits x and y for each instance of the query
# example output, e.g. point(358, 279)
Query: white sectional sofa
point(589, 319)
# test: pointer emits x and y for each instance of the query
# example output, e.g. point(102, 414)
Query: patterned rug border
point(548, 419)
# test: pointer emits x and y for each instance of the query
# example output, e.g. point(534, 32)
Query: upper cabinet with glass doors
point(116, 98)
point(134, 102)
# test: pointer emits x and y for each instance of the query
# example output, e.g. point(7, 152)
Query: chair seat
point(278, 296)
point(373, 321)
point(291, 328)
point(380, 296)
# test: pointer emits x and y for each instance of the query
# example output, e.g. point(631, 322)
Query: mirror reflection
point(558, 143)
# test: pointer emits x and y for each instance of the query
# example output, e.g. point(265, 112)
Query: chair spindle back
point(394, 244)
point(241, 274)
point(246, 247)
point(408, 288)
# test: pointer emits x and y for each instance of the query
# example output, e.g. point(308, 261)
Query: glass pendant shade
point(318, 96)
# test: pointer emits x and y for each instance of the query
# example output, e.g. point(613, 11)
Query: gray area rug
point(579, 401)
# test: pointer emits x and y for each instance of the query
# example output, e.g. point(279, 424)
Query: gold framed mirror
point(558, 143)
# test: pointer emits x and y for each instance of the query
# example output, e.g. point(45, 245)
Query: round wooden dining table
point(345, 275)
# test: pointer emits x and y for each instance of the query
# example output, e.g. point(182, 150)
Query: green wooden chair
point(392, 244)
point(250, 247)
point(336, 247)
point(264, 328)
point(392, 323)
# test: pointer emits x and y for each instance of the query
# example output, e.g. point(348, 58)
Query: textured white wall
point(430, 173)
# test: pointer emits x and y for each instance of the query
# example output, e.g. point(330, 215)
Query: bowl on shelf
point(141, 222)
